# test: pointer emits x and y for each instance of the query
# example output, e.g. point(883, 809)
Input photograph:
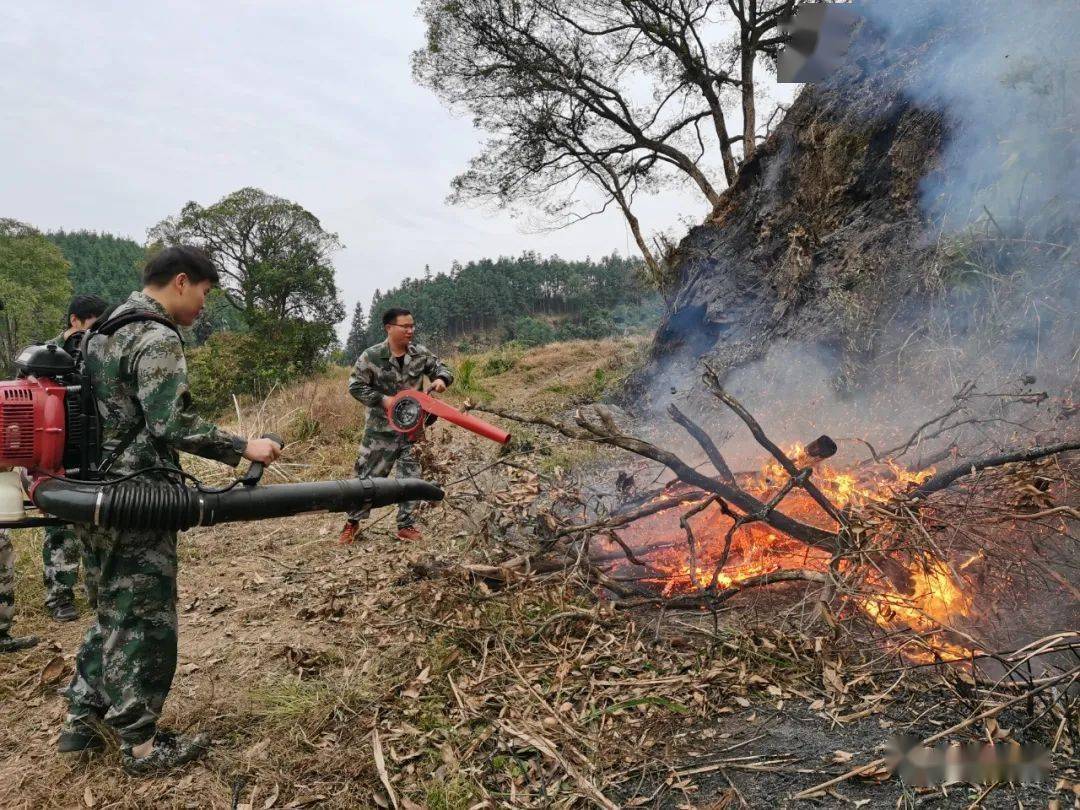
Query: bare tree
point(757, 19)
point(612, 94)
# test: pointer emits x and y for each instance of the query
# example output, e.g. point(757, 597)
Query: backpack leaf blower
point(49, 428)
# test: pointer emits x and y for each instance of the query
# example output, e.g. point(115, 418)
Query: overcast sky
point(113, 114)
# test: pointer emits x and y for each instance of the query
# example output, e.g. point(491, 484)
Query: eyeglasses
point(404, 325)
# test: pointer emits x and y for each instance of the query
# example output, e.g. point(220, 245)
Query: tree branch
point(947, 477)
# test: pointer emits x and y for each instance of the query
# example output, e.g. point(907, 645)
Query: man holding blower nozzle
point(380, 372)
point(127, 660)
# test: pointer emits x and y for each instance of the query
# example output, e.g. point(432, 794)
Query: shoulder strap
point(109, 325)
point(121, 445)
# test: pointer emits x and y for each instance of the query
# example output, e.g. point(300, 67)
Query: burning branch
point(684, 522)
point(608, 433)
point(748, 517)
point(713, 382)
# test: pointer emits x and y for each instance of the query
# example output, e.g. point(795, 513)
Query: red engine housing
point(32, 424)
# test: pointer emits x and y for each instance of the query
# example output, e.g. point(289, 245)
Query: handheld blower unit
point(411, 411)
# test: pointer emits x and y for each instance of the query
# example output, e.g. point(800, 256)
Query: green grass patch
point(502, 360)
point(457, 794)
point(287, 702)
point(467, 380)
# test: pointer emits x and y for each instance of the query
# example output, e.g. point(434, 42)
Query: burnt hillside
point(861, 212)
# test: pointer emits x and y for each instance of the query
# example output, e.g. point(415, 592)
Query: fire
point(937, 600)
point(842, 488)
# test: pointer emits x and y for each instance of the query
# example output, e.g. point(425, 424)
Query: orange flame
point(938, 599)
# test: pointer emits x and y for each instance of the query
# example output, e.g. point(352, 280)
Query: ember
point(937, 599)
point(869, 535)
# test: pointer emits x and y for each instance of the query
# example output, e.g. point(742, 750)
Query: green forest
point(263, 328)
point(101, 264)
point(528, 299)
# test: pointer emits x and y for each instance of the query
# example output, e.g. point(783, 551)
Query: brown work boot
point(409, 533)
point(348, 534)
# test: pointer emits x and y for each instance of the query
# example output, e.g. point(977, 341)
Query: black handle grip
point(255, 471)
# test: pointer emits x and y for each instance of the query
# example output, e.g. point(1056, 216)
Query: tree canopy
point(273, 254)
point(101, 264)
point(274, 315)
point(34, 288)
point(498, 293)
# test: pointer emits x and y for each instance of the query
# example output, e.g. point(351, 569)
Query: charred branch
point(623, 518)
point(946, 477)
point(712, 452)
point(713, 382)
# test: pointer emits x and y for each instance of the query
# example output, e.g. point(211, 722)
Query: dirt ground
point(334, 676)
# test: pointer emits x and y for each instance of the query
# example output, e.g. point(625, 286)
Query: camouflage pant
point(128, 657)
point(7, 582)
point(379, 450)
point(60, 554)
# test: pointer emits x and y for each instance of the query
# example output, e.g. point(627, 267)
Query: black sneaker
point(169, 751)
point(16, 643)
point(65, 611)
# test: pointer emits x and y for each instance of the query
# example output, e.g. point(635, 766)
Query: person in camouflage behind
point(8, 642)
point(60, 551)
point(125, 666)
point(380, 372)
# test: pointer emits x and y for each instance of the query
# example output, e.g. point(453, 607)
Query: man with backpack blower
point(125, 666)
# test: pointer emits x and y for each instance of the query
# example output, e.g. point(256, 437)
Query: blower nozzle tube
point(177, 507)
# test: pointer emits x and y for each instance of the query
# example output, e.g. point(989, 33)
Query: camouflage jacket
point(140, 378)
point(376, 375)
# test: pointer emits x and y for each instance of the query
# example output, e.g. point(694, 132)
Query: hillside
point(101, 264)
point(528, 299)
point(904, 221)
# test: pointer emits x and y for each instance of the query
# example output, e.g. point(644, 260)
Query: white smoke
point(1005, 76)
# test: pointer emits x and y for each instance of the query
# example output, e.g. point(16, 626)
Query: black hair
point(393, 314)
point(172, 261)
point(86, 306)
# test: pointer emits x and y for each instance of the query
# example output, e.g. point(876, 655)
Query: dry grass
point(293, 648)
point(556, 376)
point(330, 676)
